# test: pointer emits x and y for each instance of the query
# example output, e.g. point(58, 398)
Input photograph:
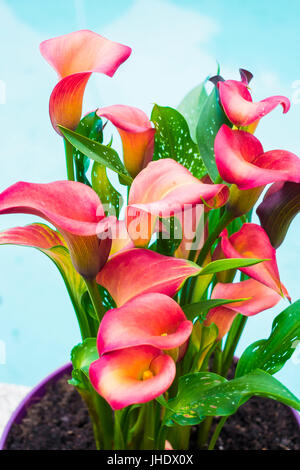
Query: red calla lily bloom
point(260, 298)
point(163, 189)
point(132, 375)
point(75, 210)
point(138, 271)
point(75, 57)
point(251, 241)
point(150, 319)
point(241, 160)
point(237, 102)
point(136, 132)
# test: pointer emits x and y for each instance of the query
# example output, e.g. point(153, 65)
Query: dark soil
point(60, 421)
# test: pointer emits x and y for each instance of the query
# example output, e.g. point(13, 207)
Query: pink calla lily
point(75, 210)
point(136, 132)
point(251, 241)
point(237, 102)
point(75, 57)
point(132, 375)
point(163, 189)
point(259, 298)
point(241, 160)
point(150, 319)
point(138, 271)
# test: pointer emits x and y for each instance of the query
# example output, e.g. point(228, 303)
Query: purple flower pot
point(39, 391)
point(33, 397)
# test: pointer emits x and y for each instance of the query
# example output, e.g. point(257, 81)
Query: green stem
point(223, 222)
point(119, 443)
point(217, 362)
point(94, 293)
point(203, 432)
point(101, 416)
point(217, 433)
point(232, 342)
point(149, 433)
point(69, 160)
point(179, 436)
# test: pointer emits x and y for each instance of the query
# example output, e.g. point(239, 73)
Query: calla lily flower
point(75, 210)
point(241, 160)
point(150, 319)
point(137, 271)
point(132, 375)
point(278, 209)
point(75, 57)
point(163, 189)
point(259, 298)
point(136, 132)
point(251, 241)
point(237, 102)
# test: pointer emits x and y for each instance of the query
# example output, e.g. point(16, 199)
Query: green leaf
point(82, 355)
point(90, 126)
point(211, 118)
point(95, 151)
point(271, 354)
point(202, 307)
point(173, 140)
point(230, 263)
point(191, 106)
point(207, 394)
point(111, 199)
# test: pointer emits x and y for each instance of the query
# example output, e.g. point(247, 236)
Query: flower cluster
point(157, 291)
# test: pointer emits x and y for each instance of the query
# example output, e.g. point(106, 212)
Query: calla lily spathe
point(251, 241)
point(139, 271)
point(238, 106)
point(75, 210)
point(149, 319)
point(132, 375)
point(241, 160)
point(136, 132)
point(75, 57)
point(259, 298)
point(163, 189)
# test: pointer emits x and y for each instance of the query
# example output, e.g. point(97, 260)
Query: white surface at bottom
point(10, 397)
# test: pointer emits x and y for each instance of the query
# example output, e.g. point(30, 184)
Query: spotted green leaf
point(191, 105)
point(205, 394)
point(173, 140)
point(100, 153)
point(271, 354)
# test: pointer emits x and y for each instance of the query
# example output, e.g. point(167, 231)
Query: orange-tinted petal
point(136, 132)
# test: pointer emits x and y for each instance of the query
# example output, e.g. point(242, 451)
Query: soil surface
point(60, 421)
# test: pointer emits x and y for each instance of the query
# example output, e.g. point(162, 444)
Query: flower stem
point(232, 342)
point(217, 433)
point(69, 160)
point(95, 297)
point(223, 222)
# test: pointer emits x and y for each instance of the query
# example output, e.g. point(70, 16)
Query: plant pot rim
point(39, 391)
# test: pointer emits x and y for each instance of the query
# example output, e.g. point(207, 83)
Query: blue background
point(175, 45)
